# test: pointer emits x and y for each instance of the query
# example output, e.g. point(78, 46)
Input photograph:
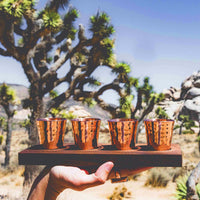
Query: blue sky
point(159, 39)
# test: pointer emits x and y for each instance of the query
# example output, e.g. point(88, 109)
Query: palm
point(72, 177)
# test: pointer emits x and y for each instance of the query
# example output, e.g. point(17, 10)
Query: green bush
point(1, 139)
point(188, 132)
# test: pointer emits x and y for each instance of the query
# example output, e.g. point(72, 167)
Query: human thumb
point(103, 171)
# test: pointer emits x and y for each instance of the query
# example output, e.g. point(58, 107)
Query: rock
point(173, 90)
point(187, 84)
point(167, 93)
point(192, 107)
point(176, 95)
point(79, 111)
point(104, 129)
point(193, 104)
point(172, 93)
point(172, 108)
point(192, 93)
point(22, 114)
point(197, 83)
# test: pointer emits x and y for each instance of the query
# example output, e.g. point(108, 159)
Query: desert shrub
point(161, 113)
point(181, 188)
point(188, 132)
point(157, 178)
point(69, 115)
point(1, 139)
point(120, 193)
point(174, 173)
point(134, 177)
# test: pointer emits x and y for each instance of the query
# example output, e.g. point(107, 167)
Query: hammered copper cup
point(51, 132)
point(159, 133)
point(86, 132)
point(123, 133)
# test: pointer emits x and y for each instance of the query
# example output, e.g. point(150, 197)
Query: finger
point(97, 178)
point(128, 172)
point(104, 170)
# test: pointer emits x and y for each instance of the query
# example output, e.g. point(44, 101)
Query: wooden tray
point(70, 155)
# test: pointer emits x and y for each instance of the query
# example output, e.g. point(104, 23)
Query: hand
point(62, 177)
point(52, 181)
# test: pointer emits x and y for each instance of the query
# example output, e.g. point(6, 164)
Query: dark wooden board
point(70, 155)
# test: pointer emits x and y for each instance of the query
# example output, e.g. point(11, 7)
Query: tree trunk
point(8, 141)
point(1, 131)
point(38, 112)
point(140, 123)
point(31, 171)
point(180, 130)
point(199, 137)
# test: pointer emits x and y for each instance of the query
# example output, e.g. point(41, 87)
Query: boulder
point(192, 93)
point(167, 93)
point(192, 107)
point(79, 111)
point(22, 114)
point(176, 95)
point(172, 108)
point(197, 83)
point(172, 93)
point(187, 84)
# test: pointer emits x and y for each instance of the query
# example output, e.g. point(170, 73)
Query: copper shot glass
point(86, 132)
point(51, 132)
point(123, 133)
point(159, 133)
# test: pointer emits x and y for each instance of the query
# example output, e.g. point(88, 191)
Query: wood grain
point(126, 159)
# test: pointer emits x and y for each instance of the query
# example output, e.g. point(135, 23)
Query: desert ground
point(11, 179)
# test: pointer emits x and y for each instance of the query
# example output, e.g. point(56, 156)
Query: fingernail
point(109, 166)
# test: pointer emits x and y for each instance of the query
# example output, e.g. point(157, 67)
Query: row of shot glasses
point(122, 131)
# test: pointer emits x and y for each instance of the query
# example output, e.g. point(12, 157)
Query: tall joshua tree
point(7, 101)
point(46, 41)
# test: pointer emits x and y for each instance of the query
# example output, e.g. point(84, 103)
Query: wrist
point(51, 192)
point(39, 186)
point(54, 188)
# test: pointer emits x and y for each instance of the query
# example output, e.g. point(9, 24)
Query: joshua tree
point(2, 125)
point(161, 114)
point(46, 41)
point(26, 124)
point(7, 101)
point(47, 33)
point(187, 123)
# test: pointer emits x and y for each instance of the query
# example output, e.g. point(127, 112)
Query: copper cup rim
point(52, 119)
point(122, 120)
point(159, 120)
point(85, 119)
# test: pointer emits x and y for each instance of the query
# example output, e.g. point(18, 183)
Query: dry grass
point(121, 192)
point(157, 178)
point(11, 179)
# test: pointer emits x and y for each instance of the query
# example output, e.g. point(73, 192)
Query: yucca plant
point(181, 188)
point(160, 112)
point(7, 101)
